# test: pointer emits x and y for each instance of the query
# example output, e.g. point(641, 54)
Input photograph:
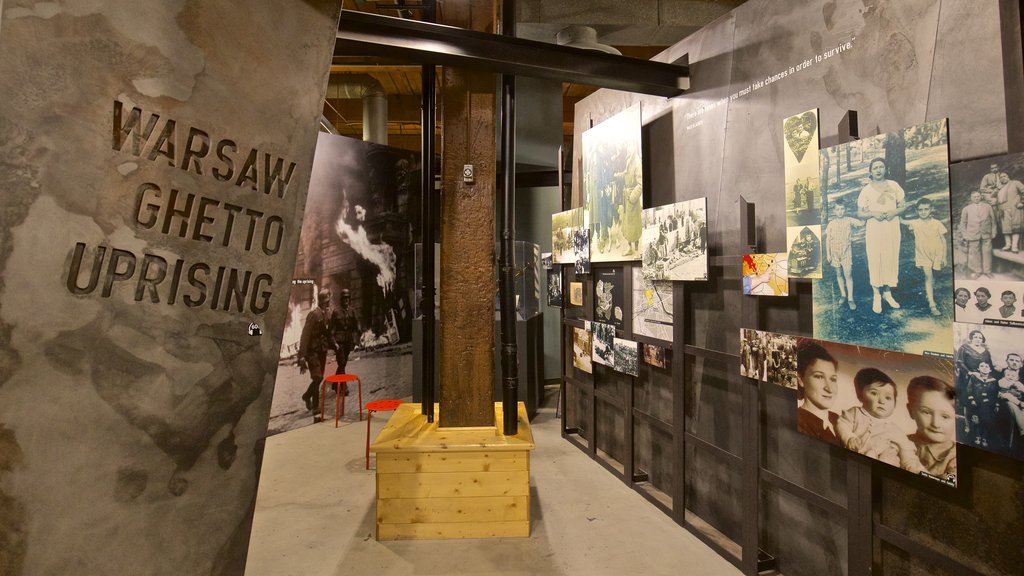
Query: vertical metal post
point(506, 252)
point(427, 237)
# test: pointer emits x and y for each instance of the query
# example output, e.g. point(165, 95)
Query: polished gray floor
point(315, 516)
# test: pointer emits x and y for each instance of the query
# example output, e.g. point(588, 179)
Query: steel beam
point(363, 34)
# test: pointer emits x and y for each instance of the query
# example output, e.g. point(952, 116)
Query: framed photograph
point(627, 357)
point(674, 241)
point(581, 250)
point(990, 388)
point(545, 260)
point(804, 244)
point(654, 355)
point(652, 307)
point(766, 274)
point(800, 152)
point(603, 344)
point(987, 242)
point(555, 287)
point(768, 357)
point(893, 407)
point(563, 233)
point(582, 350)
point(990, 302)
point(887, 275)
point(608, 296)
point(613, 186)
point(576, 293)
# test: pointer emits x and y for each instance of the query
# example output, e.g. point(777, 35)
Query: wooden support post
point(467, 234)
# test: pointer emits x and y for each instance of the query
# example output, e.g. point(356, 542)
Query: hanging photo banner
point(888, 272)
point(613, 186)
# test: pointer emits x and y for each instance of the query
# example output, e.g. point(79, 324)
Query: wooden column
point(468, 284)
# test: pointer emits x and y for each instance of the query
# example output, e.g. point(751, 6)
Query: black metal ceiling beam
point(360, 33)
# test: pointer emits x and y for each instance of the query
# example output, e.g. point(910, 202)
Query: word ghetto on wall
point(231, 227)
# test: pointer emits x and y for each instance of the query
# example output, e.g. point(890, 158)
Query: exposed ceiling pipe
point(375, 102)
point(577, 36)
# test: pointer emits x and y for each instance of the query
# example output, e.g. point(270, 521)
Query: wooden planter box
point(440, 483)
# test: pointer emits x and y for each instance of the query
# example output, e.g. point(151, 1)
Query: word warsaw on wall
point(189, 216)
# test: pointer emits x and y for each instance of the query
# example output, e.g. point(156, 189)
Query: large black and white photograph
point(613, 186)
point(888, 274)
point(988, 214)
point(555, 287)
point(652, 307)
point(609, 296)
point(674, 241)
point(800, 157)
point(768, 357)
point(896, 408)
point(582, 350)
point(351, 307)
point(627, 357)
point(990, 388)
point(563, 232)
point(603, 344)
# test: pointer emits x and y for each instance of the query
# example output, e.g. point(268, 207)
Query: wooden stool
point(376, 406)
point(338, 380)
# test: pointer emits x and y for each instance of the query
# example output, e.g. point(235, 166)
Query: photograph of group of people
point(768, 357)
point(989, 302)
point(564, 226)
point(989, 388)
point(674, 241)
point(613, 186)
point(988, 207)
point(886, 246)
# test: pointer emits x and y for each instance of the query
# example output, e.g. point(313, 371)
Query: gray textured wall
point(131, 412)
point(908, 61)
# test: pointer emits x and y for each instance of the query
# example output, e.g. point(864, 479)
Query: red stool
point(338, 380)
point(376, 406)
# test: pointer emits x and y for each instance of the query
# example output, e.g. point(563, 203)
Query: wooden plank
point(453, 484)
point(408, 431)
point(410, 462)
point(516, 529)
point(480, 510)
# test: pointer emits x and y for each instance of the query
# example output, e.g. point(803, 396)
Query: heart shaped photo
point(799, 130)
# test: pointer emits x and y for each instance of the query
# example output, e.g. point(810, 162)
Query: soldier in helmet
point(345, 328)
point(314, 343)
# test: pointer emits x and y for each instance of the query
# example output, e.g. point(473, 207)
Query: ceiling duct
point(375, 102)
point(585, 37)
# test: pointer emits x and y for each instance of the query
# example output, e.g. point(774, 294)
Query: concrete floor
point(315, 516)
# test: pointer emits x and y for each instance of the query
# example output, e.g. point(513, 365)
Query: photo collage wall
point(624, 248)
point(916, 272)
